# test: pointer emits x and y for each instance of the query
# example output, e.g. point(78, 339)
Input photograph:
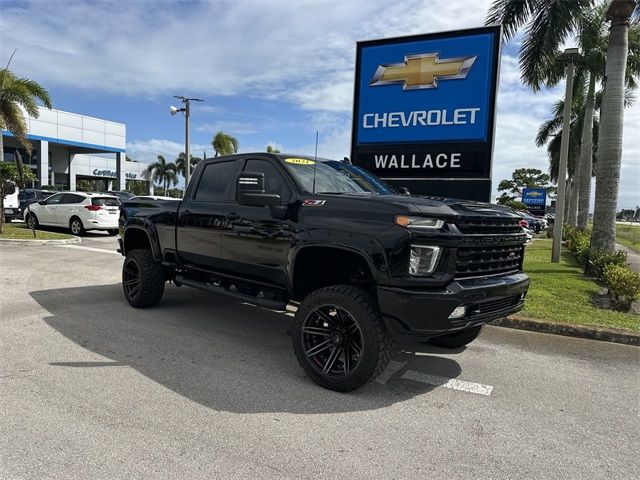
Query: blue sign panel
point(416, 103)
point(534, 196)
point(424, 110)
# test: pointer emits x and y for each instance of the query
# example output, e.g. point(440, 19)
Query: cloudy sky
point(270, 71)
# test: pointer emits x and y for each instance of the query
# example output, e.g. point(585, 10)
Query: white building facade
point(69, 147)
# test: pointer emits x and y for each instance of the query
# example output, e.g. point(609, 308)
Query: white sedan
point(77, 211)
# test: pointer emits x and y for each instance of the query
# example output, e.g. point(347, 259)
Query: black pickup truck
point(364, 264)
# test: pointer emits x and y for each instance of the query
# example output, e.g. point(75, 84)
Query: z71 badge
point(313, 203)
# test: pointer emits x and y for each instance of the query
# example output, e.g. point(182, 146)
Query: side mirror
point(42, 202)
point(404, 191)
point(250, 191)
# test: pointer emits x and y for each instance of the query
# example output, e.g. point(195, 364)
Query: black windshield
point(332, 176)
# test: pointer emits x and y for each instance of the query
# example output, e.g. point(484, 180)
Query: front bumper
point(418, 314)
point(12, 213)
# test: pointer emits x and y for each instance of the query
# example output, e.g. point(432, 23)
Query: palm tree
point(180, 163)
point(610, 142)
point(224, 144)
point(548, 25)
point(272, 149)
point(162, 172)
point(15, 93)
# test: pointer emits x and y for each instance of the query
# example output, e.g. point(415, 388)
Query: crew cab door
point(255, 244)
point(203, 213)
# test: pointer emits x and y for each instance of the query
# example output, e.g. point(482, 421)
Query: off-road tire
point(112, 232)
point(35, 220)
point(376, 341)
point(76, 227)
point(457, 339)
point(150, 275)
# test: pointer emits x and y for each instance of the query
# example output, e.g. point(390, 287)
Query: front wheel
point(32, 221)
point(457, 339)
point(339, 338)
point(142, 279)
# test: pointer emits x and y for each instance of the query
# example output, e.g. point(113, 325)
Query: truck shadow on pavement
point(217, 352)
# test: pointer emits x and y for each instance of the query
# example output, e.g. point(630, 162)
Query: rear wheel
point(339, 338)
point(76, 227)
point(32, 221)
point(142, 279)
point(457, 339)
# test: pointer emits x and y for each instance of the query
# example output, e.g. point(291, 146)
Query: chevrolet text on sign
point(424, 111)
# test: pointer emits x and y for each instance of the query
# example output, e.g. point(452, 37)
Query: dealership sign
point(424, 111)
point(535, 199)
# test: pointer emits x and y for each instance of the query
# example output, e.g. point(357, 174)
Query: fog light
point(459, 312)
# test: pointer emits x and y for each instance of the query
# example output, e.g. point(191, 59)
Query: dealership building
point(69, 147)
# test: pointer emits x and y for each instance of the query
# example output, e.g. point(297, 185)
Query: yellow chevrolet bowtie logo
point(422, 71)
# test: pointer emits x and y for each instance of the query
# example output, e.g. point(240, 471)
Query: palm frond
point(512, 14)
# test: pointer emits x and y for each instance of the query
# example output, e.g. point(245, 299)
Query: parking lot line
point(445, 382)
point(90, 249)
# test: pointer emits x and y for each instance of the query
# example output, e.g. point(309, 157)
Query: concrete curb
point(37, 242)
point(579, 331)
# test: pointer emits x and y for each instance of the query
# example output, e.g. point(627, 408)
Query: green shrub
point(600, 259)
point(578, 242)
point(623, 285)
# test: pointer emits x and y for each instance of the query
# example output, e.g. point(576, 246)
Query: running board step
point(261, 302)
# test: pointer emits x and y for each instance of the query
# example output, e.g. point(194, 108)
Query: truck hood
point(422, 204)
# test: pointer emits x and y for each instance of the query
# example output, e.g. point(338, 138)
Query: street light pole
point(568, 56)
point(186, 110)
point(187, 158)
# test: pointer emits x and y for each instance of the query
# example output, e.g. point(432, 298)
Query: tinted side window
point(71, 198)
point(273, 179)
point(215, 180)
point(54, 199)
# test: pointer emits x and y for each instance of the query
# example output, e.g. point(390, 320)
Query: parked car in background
point(152, 197)
point(77, 211)
point(12, 206)
point(550, 217)
point(29, 196)
point(535, 224)
point(122, 195)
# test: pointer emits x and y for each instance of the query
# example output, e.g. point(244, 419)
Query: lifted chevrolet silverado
point(365, 264)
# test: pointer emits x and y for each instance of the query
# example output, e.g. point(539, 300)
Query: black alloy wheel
point(332, 340)
point(131, 278)
point(339, 337)
point(143, 279)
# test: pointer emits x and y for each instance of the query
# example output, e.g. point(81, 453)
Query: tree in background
point(520, 179)
point(162, 172)
point(548, 26)
point(180, 163)
point(224, 144)
point(272, 149)
point(8, 180)
point(603, 235)
point(15, 93)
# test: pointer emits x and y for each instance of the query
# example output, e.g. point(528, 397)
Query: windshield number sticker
point(313, 203)
point(299, 161)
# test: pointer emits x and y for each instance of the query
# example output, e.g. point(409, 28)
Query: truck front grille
point(490, 260)
point(491, 306)
point(488, 226)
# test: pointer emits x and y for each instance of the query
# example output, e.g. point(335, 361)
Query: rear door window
point(105, 202)
point(68, 198)
point(216, 181)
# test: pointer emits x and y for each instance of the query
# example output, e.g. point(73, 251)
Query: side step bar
point(261, 302)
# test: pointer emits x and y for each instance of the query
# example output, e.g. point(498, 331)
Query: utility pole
point(568, 56)
point(186, 110)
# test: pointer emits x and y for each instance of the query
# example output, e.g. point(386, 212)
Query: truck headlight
point(422, 223)
point(423, 259)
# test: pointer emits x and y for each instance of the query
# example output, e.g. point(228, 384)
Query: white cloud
point(148, 150)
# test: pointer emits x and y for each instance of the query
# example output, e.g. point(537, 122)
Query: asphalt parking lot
point(205, 387)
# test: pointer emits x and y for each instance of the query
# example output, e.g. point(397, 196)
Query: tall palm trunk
point(572, 217)
point(567, 196)
point(610, 138)
point(585, 159)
